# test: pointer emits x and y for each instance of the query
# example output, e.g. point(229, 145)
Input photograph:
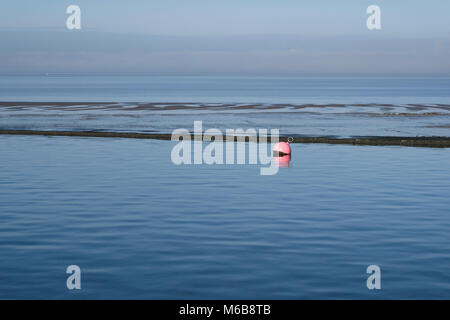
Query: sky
point(229, 36)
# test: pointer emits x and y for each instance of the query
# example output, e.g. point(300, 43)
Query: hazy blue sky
point(237, 36)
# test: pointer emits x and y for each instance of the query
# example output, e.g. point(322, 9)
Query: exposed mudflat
point(309, 122)
point(434, 142)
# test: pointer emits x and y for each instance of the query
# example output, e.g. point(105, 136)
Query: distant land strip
point(429, 142)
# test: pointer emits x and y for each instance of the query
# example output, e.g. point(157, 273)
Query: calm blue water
point(226, 89)
point(141, 227)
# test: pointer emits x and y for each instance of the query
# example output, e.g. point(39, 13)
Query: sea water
point(141, 227)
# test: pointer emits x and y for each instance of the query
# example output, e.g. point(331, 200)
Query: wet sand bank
point(429, 142)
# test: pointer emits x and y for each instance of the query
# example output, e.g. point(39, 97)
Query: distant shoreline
point(428, 142)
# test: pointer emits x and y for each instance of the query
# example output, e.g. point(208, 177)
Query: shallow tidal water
point(140, 227)
point(298, 106)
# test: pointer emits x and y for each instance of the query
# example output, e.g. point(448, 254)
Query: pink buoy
point(282, 148)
